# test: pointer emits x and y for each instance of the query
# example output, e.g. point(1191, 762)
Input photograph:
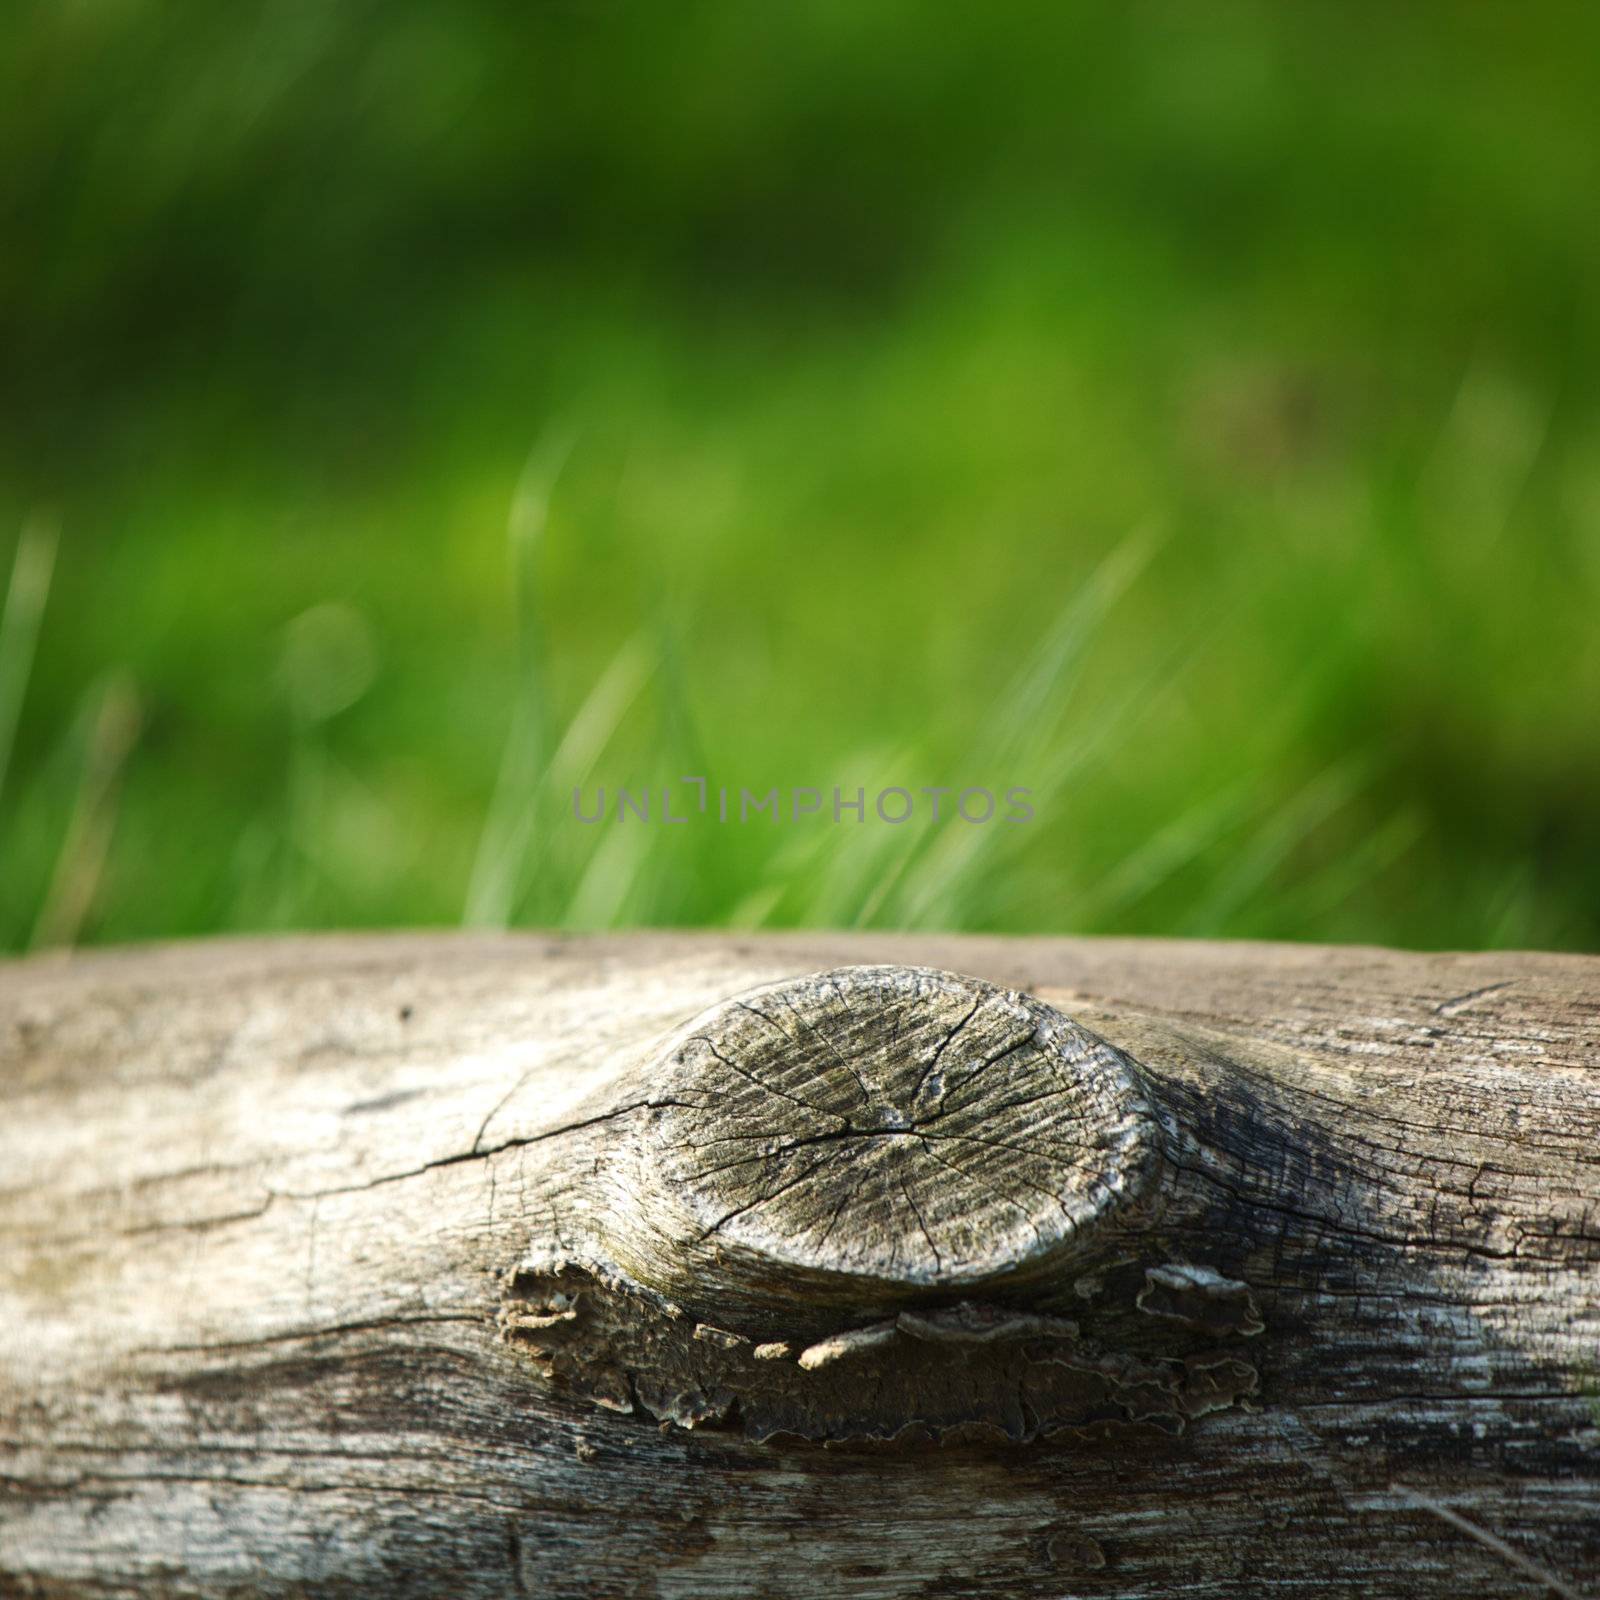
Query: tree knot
point(860, 1140)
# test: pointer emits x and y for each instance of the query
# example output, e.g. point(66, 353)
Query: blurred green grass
point(414, 410)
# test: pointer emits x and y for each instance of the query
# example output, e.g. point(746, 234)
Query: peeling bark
point(486, 1266)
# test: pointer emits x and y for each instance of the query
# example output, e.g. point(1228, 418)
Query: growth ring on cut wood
point(872, 1136)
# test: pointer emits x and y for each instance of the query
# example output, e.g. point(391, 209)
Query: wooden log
point(693, 1265)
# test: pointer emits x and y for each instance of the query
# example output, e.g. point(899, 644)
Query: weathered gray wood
point(846, 1142)
point(393, 1265)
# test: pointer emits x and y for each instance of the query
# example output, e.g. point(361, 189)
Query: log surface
point(327, 1267)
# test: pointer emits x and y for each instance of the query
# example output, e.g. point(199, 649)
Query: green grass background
point(414, 409)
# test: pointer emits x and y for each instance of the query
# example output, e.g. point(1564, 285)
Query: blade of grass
point(610, 881)
point(597, 719)
point(113, 731)
point(847, 857)
point(1027, 712)
point(1165, 853)
point(1029, 721)
point(1273, 843)
point(19, 628)
point(1341, 879)
point(961, 857)
point(502, 845)
point(585, 740)
point(587, 735)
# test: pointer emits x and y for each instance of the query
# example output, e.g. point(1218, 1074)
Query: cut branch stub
point(858, 1140)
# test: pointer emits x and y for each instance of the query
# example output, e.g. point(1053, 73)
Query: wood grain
point(848, 1140)
point(276, 1217)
